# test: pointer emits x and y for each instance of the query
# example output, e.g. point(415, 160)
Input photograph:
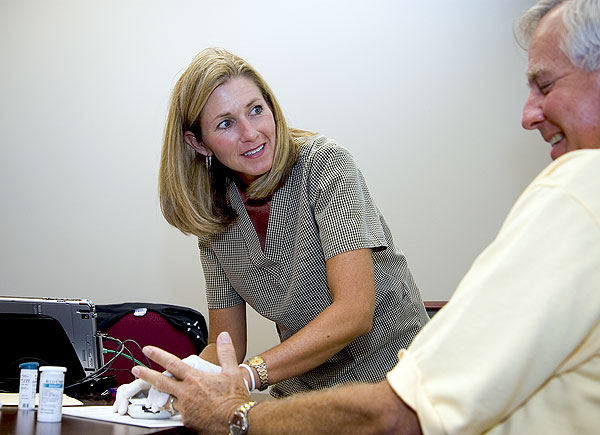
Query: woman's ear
point(190, 139)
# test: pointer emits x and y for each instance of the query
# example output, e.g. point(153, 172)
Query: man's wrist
point(238, 425)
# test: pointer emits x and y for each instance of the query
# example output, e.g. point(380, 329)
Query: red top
point(259, 210)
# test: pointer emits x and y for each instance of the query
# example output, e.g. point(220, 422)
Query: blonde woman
point(285, 223)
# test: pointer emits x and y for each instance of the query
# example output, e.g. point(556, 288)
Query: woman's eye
point(224, 124)
point(256, 110)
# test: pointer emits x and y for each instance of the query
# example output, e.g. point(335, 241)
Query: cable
point(122, 348)
point(138, 362)
point(148, 363)
point(102, 370)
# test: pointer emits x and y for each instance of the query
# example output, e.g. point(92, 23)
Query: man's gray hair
point(581, 18)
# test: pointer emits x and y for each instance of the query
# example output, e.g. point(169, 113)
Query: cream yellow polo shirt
point(517, 348)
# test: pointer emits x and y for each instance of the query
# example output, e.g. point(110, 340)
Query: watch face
point(238, 425)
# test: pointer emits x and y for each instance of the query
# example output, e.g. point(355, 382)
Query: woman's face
point(238, 128)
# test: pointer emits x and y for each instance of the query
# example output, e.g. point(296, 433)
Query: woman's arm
point(351, 282)
point(232, 320)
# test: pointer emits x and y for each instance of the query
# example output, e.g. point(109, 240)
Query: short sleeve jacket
point(323, 209)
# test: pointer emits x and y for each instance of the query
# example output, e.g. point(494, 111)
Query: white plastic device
point(137, 409)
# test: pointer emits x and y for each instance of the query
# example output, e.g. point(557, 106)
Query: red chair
point(178, 330)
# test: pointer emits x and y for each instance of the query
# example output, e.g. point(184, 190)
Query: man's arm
point(207, 401)
point(356, 409)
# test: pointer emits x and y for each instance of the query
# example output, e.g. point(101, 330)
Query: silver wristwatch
point(238, 425)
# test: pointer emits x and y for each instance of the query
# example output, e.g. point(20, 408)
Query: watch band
point(238, 425)
point(261, 367)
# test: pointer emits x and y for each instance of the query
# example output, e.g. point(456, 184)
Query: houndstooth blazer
point(324, 208)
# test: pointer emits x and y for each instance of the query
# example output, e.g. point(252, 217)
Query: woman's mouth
point(254, 151)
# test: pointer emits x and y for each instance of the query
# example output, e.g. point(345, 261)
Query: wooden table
point(15, 422)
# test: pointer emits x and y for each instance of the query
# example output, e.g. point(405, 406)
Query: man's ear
point(190, 139)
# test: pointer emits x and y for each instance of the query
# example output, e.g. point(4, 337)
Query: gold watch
point(259, 364)
point(238, 425)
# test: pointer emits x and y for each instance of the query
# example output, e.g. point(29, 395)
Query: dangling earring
point(208, 161)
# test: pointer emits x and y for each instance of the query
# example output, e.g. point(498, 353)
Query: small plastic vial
point(28, 385)
point(52, 384)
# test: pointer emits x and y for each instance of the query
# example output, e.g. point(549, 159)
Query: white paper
point(105, 413)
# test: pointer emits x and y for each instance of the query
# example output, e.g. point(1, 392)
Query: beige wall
point(427, 96)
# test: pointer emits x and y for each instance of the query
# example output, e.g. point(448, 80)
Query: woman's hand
point(126, 392)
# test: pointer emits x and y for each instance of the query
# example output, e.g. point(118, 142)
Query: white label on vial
point(51, 395)
point(27, 387)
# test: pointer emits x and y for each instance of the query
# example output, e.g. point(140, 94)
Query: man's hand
point(156, 400)
point(206, 401)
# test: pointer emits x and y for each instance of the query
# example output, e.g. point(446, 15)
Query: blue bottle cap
point(29, 366)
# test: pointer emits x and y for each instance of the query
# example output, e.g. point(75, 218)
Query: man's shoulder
point(573, 167)
point(578, 174)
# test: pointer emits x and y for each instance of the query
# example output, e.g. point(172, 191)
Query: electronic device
point(51, 331)
point(137, 409)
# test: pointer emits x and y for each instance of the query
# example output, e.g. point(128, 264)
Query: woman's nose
point(248, 131)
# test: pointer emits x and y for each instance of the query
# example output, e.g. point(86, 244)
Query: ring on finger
point(169, 406)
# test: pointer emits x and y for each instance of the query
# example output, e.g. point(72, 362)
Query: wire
point(108, 365)
point(148, 363)
point(126, 356)
point(95, 375)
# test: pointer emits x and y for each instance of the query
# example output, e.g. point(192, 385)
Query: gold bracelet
point(261, 368)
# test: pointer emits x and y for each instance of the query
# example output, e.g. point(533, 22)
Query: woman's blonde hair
point(193, 197)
